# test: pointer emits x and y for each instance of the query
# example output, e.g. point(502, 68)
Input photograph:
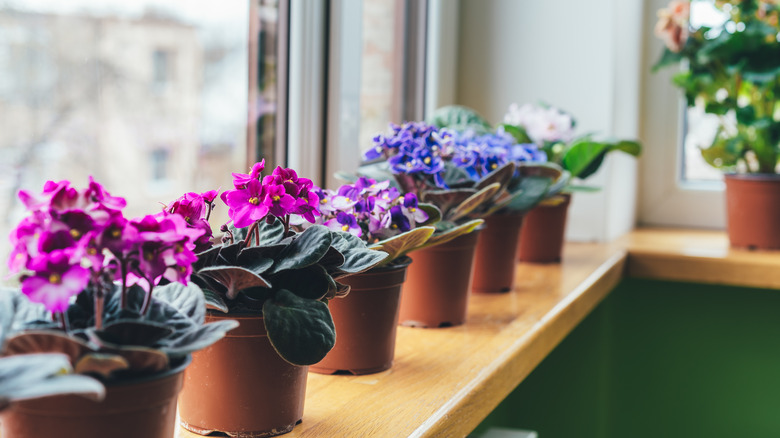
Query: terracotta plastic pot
point(240, 386)
point(541, 239)
point(366, 321)
point(753, 210)
point(144, 407)
point(494, 263)
point(437, 285)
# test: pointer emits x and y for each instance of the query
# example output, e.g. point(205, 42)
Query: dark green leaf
point(307, 249)
point(133, 332)
point(201, 337)
point(234, 278)
point(532, 189)
point(214, 301)
point(301, 330)
point(310, 282)
point(502, 176)
point(358, 260)
point(445, 200)
point(517, 132)
point(581, 154)
point(434, 214)
point(188, 300)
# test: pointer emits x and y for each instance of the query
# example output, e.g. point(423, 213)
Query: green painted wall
point(659, 359)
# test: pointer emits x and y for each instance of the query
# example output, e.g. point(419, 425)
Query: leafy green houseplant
point(272, 278)
point(111, 294)
point(731, 68)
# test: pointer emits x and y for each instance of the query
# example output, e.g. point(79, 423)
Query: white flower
point(541, 124)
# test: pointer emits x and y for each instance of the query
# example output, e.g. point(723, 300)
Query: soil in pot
point(542, 235)
point(240, 386)
point(437, 285)
point(753, 210)
point(366, 321)
point(143, 407)
point(494, 263)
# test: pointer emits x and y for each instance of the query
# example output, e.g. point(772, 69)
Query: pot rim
point(180, 366)
point(771, 177)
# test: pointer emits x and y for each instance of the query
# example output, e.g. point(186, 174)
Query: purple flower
point(411, 210)
point(55, 281)
point(399, 221)
point(245, 205)
point(240, 180)
point(345, 222)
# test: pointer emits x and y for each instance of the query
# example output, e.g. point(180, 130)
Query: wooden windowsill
point(446, 381)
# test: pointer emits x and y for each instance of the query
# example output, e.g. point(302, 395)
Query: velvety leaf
point(133, 332)
point(559, 184)
point(446, 236)
point(310, 282)
point(41, 375)
point(530, 191)
point(207, 258)
point(333, 257)
point(101, 364)
point(256, 259)
point(454, 177)
point(379, 171)
point(301, 330)
point(228, 254)
point(199, 338)
point(458, 118)
point(343, 241)
point(142, 360)
point(234, 278)
point(307, 249)
point(502, 176)
point(112, 308)
point(269, 234)
point(473, 202)
point(187, 299)
point(214, 301)
point(445, 200)
point(17, 310)
point(398, 246)
point(434, 214)
point(46, 342)
point(357, 260)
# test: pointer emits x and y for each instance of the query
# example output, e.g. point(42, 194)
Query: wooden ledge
point(446, 381)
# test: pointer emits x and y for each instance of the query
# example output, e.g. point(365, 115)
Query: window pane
point(151, 97)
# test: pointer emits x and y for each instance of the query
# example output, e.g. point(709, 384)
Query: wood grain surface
point(446, 381)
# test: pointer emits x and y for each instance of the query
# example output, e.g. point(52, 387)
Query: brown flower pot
point(437, 285)
point(541, 239)
point(753, 210)
point(494, 263)
point(366, 321)
point(144, 407)
point(240, 385)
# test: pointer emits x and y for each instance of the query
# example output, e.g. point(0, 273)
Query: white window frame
point(666, 200)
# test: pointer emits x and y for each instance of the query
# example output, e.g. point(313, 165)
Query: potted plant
point(112, 295)
point(541, 240)
point(528, 179)
point(731, 69)
point(276, 282)
point(418, 158)
point(367, 318)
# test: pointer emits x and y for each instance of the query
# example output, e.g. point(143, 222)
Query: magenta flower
point(240, 180)
point(278, 201)
point(55, 281)
point(246, 205)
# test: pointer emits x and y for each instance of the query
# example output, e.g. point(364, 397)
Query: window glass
point(150, 97)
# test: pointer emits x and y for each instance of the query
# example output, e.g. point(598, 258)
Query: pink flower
point(672, 26)
point(240, 180)
point(246, 205)
point(55, 281)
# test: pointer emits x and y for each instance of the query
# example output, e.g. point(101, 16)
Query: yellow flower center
point(323, 201)
point(409, 164)
point(116, 233)
point(75, 233)
point(149, 256)
point(427, 160)
point(394, 226)
point(55, 278)
point(345, 227)
point(412, 209)
point(178, 248)
point(493, 166)
point(91, 251)
point(254, 201)
point(276, 198)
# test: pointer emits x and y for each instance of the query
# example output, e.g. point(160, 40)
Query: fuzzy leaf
point(502, 176)
point(199, 338)
point(307, 249)
point(434, 214)
point(398, 246)
point(214, 300)
point(257, 258)
point(140, 359)
point(17, 311)
point(46, 342)
point(452, 233)
point(445, 200)
point(234, 278)
point(531, 190)
point(310, 282)
point(133, 332)
point(473, 202)
point(301, 330)
point(357, 260)
point(41, 375)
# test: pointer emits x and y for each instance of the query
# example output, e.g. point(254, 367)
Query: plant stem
point(123, 296)
point(147, 299)
point(252, 231)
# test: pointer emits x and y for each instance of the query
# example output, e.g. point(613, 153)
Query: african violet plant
point(554, 131)
point(111, 294)
point(466, 180)
point(380, 215)
point(263, 266)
